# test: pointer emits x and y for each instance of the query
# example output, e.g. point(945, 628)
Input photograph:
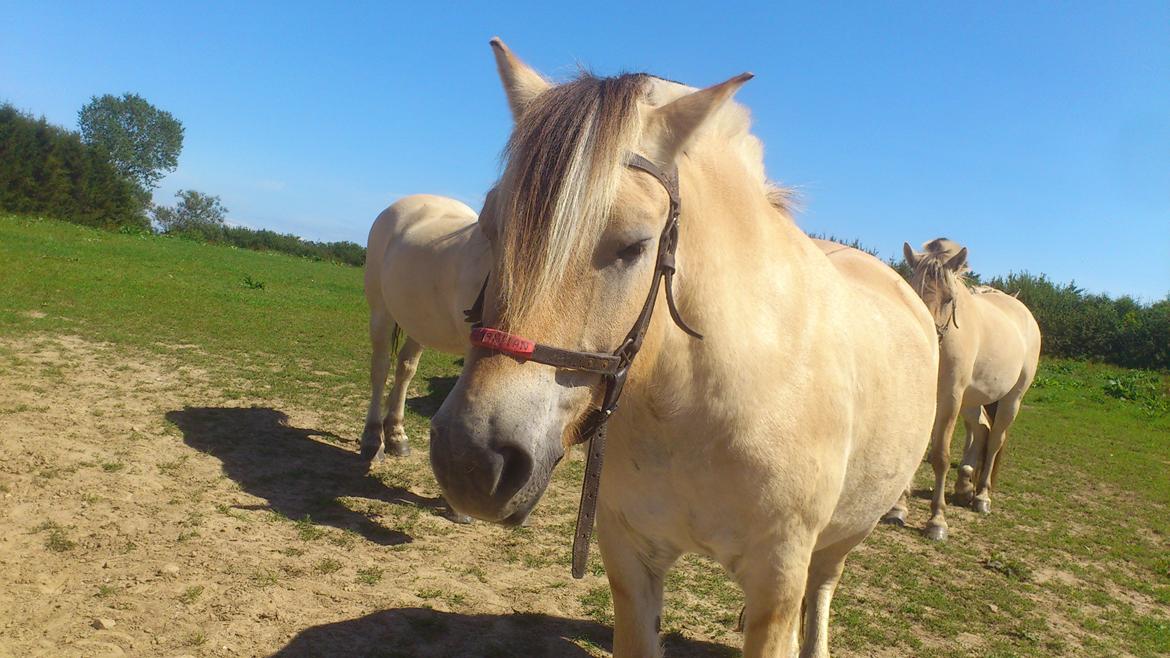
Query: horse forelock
point(931, 275)
point(564, 163)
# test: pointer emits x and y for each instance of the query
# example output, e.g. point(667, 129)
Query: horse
point(773, 444)
point(989, 349)
point(425, 261)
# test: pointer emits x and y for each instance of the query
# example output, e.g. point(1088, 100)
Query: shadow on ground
point(927, 494)
point(428, 404)
point(430, 633)
point(292, 468)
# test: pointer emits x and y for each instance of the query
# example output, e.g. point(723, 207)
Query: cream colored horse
point(425, 263)
point(773, 445)
point(989, 348)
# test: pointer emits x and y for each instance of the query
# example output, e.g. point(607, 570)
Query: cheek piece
point(612, 367)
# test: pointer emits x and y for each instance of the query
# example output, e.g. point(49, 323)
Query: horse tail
point(395, 341)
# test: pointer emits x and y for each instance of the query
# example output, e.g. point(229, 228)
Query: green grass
point(369, 575)
point(56, 539)
point(1080, 529)
point(327, 566)
point(191, 594)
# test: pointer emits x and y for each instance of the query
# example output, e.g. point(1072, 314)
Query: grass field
point(178, 427)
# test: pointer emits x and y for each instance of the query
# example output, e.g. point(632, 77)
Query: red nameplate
point(502, 341)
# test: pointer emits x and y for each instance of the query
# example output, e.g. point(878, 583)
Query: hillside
point(178, 437)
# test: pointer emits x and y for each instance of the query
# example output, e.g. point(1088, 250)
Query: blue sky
point(1036, 133)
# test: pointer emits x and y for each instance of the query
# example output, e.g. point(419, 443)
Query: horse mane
point(563, 166)
point(564, 163)
point(931, 271)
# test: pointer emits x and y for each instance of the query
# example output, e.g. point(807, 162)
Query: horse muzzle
point(487, 475)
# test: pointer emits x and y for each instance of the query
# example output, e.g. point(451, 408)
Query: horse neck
point(965, 311)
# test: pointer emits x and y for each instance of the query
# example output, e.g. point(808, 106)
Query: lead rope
point(590, 484)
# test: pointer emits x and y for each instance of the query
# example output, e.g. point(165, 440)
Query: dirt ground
point(145, 515)
point(150, 509)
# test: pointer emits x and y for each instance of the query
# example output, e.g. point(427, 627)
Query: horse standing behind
point(425, 262)
point(989, 349)
point(773, 445)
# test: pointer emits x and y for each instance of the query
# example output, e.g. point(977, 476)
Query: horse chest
point(681, 498)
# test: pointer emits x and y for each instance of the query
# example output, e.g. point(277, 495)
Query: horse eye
point(634, 251)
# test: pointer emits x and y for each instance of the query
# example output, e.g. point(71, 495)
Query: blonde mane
point(931, 273)
point(563, 165)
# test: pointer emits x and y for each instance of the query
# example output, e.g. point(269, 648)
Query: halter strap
point(612, 367)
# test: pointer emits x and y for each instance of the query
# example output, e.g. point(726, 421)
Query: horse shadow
point(927, 494)
point(431, 633)
point(426, 405)
point(296, 473)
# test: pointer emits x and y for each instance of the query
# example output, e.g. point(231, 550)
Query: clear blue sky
point(1036, 133)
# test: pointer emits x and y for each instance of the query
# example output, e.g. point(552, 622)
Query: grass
point(307, 531)
point(327, 566)
point(1079, 534)
point(369, 575)
point(191, 594)
point(56, 540)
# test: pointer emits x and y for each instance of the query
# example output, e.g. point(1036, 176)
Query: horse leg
point(1005, 415)
point(636, 582)
point(897, 514)
point(773, 593)
point(977, 428)
point(381, 327)
point(940, 459)
point(408, 356)
point(824, 572)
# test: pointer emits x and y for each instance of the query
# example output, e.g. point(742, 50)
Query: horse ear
point(909, 254)
point(487, 214)
point(521, 82)
point(958, 262)
point(672, 125)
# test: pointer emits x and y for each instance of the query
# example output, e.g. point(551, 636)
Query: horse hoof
point(936, 532)
point(963, 498)
point(981, 506)
point(398, 448)
point(373, 452)
point(455, 517)
point(895, 518)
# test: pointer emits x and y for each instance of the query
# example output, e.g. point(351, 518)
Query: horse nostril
point(515, 472)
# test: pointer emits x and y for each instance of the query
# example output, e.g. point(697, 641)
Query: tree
point(142, 141)
point(195, 213)
point(47, 170)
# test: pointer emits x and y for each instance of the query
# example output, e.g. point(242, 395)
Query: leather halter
point(952, 319)
point(612, 367)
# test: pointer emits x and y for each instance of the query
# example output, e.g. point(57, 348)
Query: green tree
point(195, 213)
point(47, 170)
point(141, 140)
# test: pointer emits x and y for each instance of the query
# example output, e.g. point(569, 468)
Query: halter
point(612, 367)
point(942, 330)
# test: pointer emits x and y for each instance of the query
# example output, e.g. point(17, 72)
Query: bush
point(347, 253)
point(1078, 325)
point(195, 213)
point(47, 170)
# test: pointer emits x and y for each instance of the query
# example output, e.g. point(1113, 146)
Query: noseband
point(613, 367)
